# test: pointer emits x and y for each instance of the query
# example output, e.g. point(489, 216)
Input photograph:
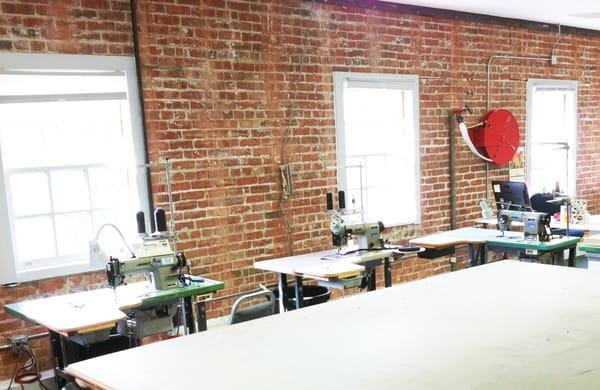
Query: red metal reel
point(498, 139)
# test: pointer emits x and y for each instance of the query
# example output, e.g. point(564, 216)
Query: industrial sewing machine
point(165, 270)
point(366, 235)
point(536, 226)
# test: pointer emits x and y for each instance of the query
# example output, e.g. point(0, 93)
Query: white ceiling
point(576, 13)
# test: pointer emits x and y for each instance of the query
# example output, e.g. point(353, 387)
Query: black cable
point(15, 370)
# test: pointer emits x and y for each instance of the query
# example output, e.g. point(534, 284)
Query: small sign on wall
point(516, 167)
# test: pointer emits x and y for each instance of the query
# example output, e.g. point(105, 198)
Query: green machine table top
point(589, 248)
point(207, 286)
point(101, 308)
point(520, 243)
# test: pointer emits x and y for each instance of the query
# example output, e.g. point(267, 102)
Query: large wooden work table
point(504, 325)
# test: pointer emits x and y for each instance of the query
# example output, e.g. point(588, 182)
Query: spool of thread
point(563, 214)
point(342, 199)
point(141, 223)
point(329, 201)
point(160, 219)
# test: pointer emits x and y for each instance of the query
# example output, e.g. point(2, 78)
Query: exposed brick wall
point(224, 82)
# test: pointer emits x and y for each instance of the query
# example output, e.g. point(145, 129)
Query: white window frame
point(572, 163)
point(66, 62)
point(400, 81)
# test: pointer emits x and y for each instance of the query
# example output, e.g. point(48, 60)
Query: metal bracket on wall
point(286, 180)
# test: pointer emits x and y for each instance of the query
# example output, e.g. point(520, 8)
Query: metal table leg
point(371, 280)
point(201, 316)
point(483, 254)
point(299, 295)
point(387, 272)
point(58, 352)
point(572, 253)
point(282, 292)
point(188, 315)
point(471, 255)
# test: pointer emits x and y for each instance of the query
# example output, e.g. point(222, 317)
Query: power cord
point(28, 373)
point(120, 234)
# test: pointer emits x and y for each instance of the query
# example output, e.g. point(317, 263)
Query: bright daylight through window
point(551, 135)
point(377, 127)
point(69, 146)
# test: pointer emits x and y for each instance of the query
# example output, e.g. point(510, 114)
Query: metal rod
point(502, 57)
point(138, 73)
point(7, 347)
point(239, 294)
point(452, 168)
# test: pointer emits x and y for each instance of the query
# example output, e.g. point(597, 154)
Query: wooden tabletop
point(501, 325)
point(462, 236)
point(313, 265)
point(92, 309)
point(507, 239)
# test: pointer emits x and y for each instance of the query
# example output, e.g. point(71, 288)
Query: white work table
point(313, 266)
point(501, 325)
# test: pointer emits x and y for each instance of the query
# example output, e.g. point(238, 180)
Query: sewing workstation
point(300, 194)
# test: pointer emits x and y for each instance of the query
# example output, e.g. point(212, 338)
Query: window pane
point(108, 186)
point(553, 130)
point(69, 190)
point(35, 238)
point(73, 232)
point(379, 132)
point(29, 193)
point(24, 142)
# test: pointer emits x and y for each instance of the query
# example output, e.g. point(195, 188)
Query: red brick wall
point(225, 81)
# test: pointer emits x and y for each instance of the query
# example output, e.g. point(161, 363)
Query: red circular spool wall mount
point(498, 139)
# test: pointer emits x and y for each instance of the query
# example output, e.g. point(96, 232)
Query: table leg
point(387, 272)
point(282, 292)
point(572, 252)
point(483, 254)
point(201, 316)
point(188, 315)
point(298, 291)
point(56, 345)
point(372, 280)
point(471, 255)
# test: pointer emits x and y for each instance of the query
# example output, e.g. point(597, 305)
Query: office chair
point(262, 309)
point(539, 203)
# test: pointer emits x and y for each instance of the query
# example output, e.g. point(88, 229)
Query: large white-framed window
point(552, 124)
point(377, 130)
point(71, 141)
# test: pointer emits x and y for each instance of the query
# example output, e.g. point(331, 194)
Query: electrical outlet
point(453, 260)
point(17, 343)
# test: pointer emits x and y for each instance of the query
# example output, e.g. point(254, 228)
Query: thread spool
point(342, 200)
point(141, 223)
point(329, 201)
point(160, 219)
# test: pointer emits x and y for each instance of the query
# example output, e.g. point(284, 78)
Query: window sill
point(52, 272)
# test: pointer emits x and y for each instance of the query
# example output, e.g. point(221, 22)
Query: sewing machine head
point(366, 235)
point(536, 226)
point(165, 270)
